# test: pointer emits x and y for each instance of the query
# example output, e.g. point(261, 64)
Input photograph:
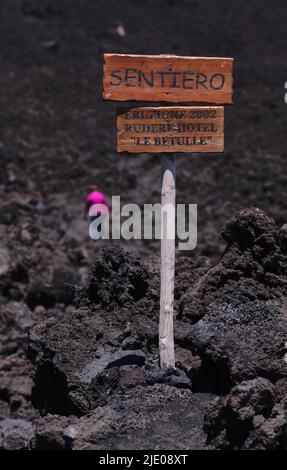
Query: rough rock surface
point(56, 145)
point(238, 309)
point(15, 382)
point(252, 416)
point(16, 434)
point(98, 359)
point(151, 417)
point(104, 347)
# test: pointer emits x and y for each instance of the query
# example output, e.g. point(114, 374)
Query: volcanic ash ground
point(92, 380)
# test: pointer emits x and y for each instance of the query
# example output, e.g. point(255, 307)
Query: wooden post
point(168, 129)
point(166, 340)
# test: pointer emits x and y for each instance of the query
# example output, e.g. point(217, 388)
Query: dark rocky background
point(88, 377)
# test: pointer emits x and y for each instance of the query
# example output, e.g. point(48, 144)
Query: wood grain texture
point(187, 129)
point(168, 193)
point(167, 78)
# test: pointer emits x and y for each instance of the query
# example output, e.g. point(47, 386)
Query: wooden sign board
point(171, 129)
point(167, 78)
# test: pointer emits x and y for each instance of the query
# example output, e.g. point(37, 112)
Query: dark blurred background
point(57, 136)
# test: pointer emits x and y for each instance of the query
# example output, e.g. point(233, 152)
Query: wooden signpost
point(169, 129)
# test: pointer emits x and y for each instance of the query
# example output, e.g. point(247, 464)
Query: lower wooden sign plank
point(187, 129)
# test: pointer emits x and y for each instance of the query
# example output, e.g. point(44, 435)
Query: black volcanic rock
point(252, 416)
point(230, 330)
point(75, 356)
point(146, 417)
point(238, 308)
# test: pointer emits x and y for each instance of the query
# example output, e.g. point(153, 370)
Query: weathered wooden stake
point(166, 340)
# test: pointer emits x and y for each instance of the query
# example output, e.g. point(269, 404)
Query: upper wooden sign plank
point(167, 78)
